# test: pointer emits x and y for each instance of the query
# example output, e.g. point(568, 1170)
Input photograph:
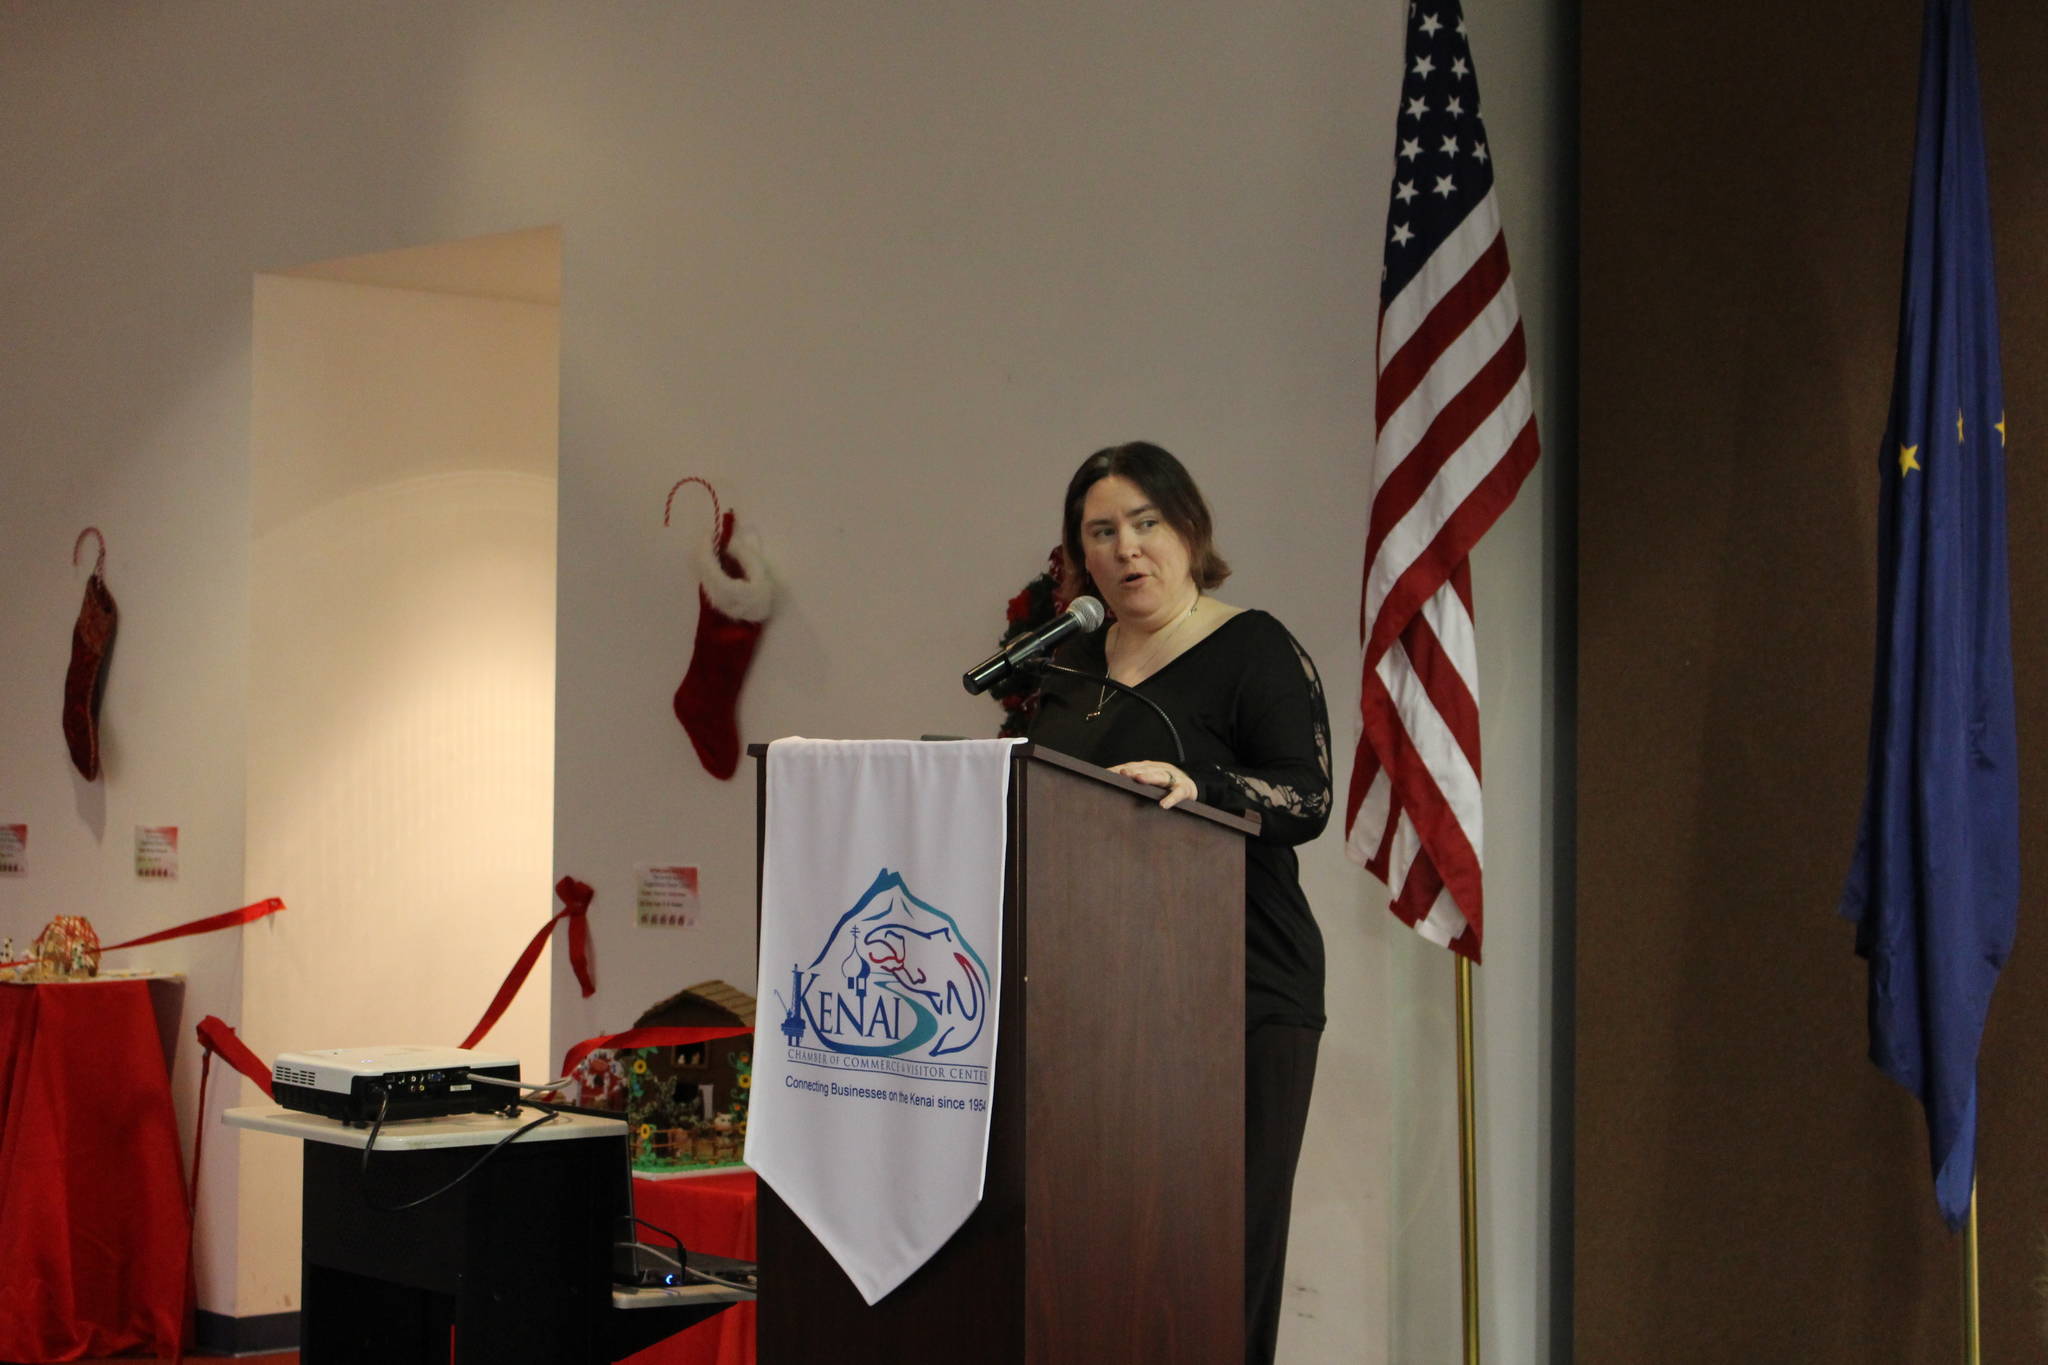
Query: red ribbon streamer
point(651, 1036)
point(229, 919)
point(576, 899)
point(217, 1037)
point(248, 914)
point(187, 1310)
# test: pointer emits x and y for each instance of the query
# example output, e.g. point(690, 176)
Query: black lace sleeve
point(1281, 739)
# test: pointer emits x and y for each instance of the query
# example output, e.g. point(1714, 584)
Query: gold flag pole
point(1468, 1165)
point(1972, 1349)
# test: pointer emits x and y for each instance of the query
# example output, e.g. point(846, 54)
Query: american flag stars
point(1440, 114)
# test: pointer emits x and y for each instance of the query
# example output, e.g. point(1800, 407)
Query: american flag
point(1456, 435)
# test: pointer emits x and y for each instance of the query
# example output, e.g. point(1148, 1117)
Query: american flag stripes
point(1456, 434)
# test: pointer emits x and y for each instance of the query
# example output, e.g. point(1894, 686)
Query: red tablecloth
point(715, 1214)
point(93, 1228)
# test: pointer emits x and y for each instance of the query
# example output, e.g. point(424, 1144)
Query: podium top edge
point(1243, 823)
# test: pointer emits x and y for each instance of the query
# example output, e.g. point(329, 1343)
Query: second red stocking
point(734, 597)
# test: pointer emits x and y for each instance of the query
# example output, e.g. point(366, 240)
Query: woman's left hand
point(1179, 786)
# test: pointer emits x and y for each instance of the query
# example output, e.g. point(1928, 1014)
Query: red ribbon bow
point(576, 898)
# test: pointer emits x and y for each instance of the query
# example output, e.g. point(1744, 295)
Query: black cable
point(681, 1260)
point(383, 1105)
point(1180, 754)
point(710, 1278)
point(656, 1227)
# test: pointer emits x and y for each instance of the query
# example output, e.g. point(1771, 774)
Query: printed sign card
point(13, 848)
point(667, 897)
point(156, 852)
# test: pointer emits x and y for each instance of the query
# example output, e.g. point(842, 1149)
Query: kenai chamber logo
point(895, 979)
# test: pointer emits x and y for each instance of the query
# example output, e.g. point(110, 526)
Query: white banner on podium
point(881, 941)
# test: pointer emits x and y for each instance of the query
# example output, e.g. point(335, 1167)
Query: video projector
point(398, 1081)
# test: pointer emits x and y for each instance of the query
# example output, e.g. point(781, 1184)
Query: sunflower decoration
point(650, 1099)
point(1036, 603)
point(742, 1064)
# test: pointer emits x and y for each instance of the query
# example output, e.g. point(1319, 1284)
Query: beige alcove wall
point(402, 652)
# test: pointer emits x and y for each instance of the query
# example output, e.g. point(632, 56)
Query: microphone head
point(1088, 611)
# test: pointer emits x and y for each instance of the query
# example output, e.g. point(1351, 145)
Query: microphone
point(1085, 614)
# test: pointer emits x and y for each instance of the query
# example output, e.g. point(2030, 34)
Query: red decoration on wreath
point(1036, 603)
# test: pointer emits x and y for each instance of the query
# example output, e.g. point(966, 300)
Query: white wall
point(884, 273)
point(1523, 56)
point(401, 701)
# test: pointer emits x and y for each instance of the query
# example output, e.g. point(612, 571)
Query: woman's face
point(1138, 561)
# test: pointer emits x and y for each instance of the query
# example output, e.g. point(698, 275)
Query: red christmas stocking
point(734, 596)
point(92, 643)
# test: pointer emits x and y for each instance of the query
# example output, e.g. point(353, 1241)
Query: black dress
point(1249, 708)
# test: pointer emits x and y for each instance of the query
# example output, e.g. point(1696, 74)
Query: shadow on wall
point(216, 150)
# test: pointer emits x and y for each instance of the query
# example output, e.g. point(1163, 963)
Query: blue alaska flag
point(1934, 885)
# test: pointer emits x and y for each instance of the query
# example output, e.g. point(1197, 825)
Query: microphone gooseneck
point(1180, 753)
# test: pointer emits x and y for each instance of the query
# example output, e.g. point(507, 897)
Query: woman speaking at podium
point(1249, 708)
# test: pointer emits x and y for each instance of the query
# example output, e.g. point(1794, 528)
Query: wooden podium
point(1112, 1224)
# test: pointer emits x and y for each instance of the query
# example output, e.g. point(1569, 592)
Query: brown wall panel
point(1748, 1186)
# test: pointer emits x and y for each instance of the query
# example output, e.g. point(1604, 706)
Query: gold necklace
point(1102, 694)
